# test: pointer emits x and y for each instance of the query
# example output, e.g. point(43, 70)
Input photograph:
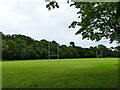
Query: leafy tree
point(5, 50)
point(80, 51)
point(43, 53)
point(100, 20)
point(65, 52)
point(72, 44)
point(102, 50)
point(74, 52)
point(12, 45)
point(23, 47)
point(37, 47)
point(92, 51)
point(52, 5)
point(12, 49)
point(30, 53)
point(118, 50)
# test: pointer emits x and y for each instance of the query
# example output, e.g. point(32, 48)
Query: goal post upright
point(49, 54)
point(96, 53)
point(49, 51)
point(101, 54)
point(58, 51)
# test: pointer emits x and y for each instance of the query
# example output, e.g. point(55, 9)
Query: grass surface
point(67, 73)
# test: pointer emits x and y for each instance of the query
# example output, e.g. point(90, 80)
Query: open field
point(67, 73)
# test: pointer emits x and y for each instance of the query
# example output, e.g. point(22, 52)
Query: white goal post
point(53, 55)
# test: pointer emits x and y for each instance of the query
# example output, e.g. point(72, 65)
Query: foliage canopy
point(97, 20)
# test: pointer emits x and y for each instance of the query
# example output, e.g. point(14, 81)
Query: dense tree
point(36, 47)
point(99, 20)
point(102, 50)
point(5, 50)
point(74, 52)
point(12, 49)
point(117, 49)
point(72, 44)
point(21, 48)
point(65, 52)
point(18, 47)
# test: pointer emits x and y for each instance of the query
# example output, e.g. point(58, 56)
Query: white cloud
point(31, 18)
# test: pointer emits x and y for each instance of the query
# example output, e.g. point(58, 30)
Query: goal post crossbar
point(53, 55)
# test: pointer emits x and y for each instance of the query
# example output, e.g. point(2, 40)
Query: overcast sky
point(32, 18)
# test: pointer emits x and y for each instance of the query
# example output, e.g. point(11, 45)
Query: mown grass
point(67, 73)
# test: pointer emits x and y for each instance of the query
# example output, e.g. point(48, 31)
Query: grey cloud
point(31, 18)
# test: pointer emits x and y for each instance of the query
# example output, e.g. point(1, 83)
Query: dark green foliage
point(72, 44)
point(19, 47)
point(97, 20)
point(52, 5)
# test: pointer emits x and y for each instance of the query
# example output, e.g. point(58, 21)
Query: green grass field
point(67, 73)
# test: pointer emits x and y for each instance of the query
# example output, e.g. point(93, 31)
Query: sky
point(32, 18)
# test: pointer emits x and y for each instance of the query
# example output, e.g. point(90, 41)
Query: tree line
point(21, 47)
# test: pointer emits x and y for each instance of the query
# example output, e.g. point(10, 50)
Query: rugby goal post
point(53, 55)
